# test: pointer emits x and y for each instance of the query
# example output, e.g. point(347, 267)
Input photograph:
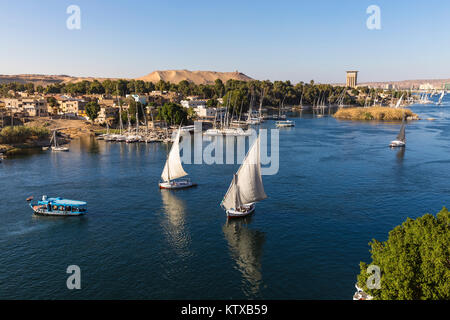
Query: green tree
point(173, 114)
point(414, 261)
point(92, 110)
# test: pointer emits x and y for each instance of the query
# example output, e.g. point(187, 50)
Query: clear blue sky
point(277, 40)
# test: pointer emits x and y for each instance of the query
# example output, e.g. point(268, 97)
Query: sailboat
point(440, 98)
point(400, 141)
point(55, 146)
point(399, 102)
point(173, 170)
point(247, 187)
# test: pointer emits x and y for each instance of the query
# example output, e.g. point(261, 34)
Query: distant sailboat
point(247, 187)
point(399, 102)
point(173, 170)
point(441, 97)
point(400, 141)
point(55, 146)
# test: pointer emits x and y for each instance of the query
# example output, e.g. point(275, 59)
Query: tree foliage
point(173, 114)
point(414, 261)
point(92, 109)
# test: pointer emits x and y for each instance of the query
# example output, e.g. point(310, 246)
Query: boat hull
point(183, 184)
point(232, 213)
point(42, 212)
point(397, 144)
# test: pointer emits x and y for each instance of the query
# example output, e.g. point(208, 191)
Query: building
point(193, 103)
point(31, 107)
point(426, 86)
point(138, 98)
point(107, 101)
point(352, 79)
point(204, 112)
point(106, 113)
point(73, 107)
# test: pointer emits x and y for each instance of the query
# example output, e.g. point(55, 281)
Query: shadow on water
point(246, 248)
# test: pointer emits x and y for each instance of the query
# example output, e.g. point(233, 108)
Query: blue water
point(338, 187)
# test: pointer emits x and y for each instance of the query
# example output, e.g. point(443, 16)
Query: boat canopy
point(63, 202)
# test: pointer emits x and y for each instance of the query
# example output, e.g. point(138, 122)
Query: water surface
point(338, 187)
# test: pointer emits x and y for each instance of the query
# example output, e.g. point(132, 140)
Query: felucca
point(55, 146)
point(247, 187)
point(440, 98)
point(400, 141)
point(173, 170)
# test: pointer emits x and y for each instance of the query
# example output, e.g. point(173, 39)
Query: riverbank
point(67, 127)
point(37, 133)
point(375, 113)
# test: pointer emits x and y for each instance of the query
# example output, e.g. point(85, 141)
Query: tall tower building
point(352, 79)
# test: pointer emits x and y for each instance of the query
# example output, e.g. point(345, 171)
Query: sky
point(276, 40)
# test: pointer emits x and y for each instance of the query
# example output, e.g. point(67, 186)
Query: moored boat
point(285, 123)
point(58, 207)
point(55, 146)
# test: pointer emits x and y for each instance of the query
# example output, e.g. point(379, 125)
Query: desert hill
point(174, 76)
point(197, 77)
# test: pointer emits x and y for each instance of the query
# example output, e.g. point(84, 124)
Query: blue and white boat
point(58, 207)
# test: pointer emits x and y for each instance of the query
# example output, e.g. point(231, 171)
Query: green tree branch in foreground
point(414, 261)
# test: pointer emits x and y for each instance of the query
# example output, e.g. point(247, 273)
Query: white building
point(138, 98)
point(204, 112)
point(193, 103)
point(426, 86)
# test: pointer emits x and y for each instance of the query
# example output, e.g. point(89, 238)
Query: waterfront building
point(31, 107)
point(195, 103)
point(204, 112)
point(352, 79)
point(106, 113)
point(73, 107)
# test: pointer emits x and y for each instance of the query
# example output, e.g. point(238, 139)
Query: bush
point(20, 134)
point(373, 113)
point(414, 261)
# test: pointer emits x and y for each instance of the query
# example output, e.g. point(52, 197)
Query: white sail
point(173, 168)
point(399, 102)
point(247, 186)
point(441, 97)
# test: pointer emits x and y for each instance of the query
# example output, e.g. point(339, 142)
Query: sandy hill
point(44, 80)
point(174, 76)
point(197, 77)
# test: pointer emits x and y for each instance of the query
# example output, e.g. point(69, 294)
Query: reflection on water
point(400, 155)
point(175, 225)
point(246, 247)
point(90, 144)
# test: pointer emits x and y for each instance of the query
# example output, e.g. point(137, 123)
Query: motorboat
point(58, 207)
